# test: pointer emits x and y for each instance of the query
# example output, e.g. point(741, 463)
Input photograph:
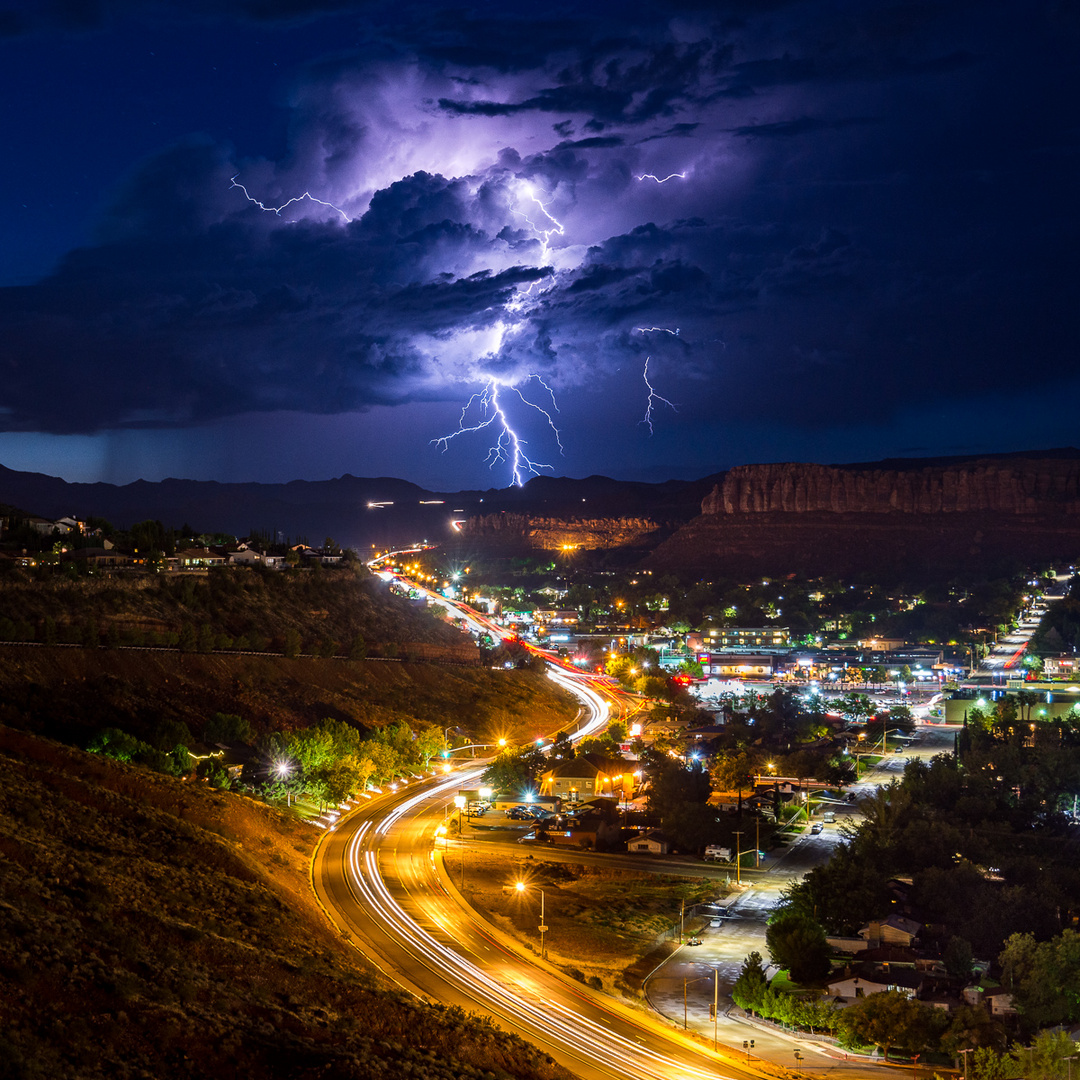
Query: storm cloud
point(838, 209)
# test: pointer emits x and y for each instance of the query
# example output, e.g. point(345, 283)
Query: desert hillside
point(156, 928)
point(70, 693)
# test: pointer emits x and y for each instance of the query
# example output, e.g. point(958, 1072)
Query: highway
point(378, 877)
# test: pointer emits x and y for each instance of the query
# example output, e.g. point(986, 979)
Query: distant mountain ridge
point(751, 516)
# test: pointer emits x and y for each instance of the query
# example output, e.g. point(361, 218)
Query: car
point(816, 827)
point(694, 941)
point(851, 796)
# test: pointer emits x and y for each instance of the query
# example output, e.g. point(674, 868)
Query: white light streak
point(670, 176)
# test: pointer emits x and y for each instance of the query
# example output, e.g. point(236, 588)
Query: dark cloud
point(803, 125)
point(846, 210)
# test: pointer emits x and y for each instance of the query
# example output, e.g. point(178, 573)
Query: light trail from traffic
point(529, 1004)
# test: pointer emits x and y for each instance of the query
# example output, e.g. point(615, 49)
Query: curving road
point(378, 877)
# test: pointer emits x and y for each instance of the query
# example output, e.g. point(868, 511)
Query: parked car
point(694, 941)
point(520, 813)
point(829, 817)
point(816, 827)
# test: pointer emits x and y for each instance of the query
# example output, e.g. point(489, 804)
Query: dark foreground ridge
point(159, 928)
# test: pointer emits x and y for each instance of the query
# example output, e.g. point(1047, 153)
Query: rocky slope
point(155, 928)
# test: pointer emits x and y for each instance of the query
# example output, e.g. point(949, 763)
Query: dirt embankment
point(153, 928)
point(71, 693)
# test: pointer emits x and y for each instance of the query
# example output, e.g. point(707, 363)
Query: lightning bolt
point(656, 330)
point(544, 233)
point(670, 176)
point(508, 446)
point(295, 199)
point(653, 397)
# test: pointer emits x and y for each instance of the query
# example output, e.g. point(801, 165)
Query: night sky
point(833, 231)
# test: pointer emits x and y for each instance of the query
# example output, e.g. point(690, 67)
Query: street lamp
point(714, 1007)
point(283, 770)
point(969, 1050)
point(459, 802)
point(520, 886)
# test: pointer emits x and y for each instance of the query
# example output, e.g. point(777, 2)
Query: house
point(864, 980)
point(577, 779)
point(195, 559)
point(249, 556)
point(101, 556)
point(651, 842)
point(988, 993)
point(895, 930)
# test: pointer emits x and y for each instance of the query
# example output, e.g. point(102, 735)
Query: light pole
point(738, 859)
point(520, 886)
point(459, 802)
point(1069, 1060)
point(283, 769)
point(969, 1050)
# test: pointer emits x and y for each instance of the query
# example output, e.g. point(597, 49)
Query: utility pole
point(684, 1004)
point(716, 1007)
point(738, 858)
point(682, 921)
point(757, 843)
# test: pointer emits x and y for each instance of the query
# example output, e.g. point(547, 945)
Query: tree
point(750, 986)
point(732, 771)
point(170, 733)
point(384, 762)
point(1045, 1058)
point(972, 1026)
point(957, 958)
point(214, 773)
point(312, 748)
point(226, 728)
point(515, 772)
point(1044, 977)
point(358, 648)
point(562, 749)
point(888, 1019)
point(796, 941)
point(428, 743)
point(189, 640)
point(292, 643)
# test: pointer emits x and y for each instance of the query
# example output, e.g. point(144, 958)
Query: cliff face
point(556, 534)
point(1025, 486)
point(779, 519)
